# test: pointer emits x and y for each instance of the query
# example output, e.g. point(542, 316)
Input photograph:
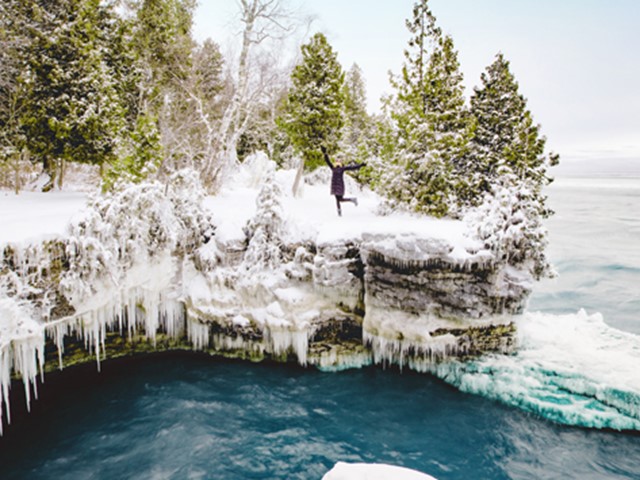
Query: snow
point(312, 216)
point(34, 216)
point(373, 471)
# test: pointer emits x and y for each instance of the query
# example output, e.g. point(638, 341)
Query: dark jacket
point(337, 175)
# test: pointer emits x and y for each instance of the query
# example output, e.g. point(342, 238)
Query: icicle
point(284, 340)
point(198, 334)
point(5, 383)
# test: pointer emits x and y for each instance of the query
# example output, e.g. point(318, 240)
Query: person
point(337, 179)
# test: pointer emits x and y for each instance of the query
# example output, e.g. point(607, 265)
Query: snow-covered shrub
point(264, 230)
point(509, 223)
point(186, 194)
point(252, 172)
point(132, 226)
point(318, 177)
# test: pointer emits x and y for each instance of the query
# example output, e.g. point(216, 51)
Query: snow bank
point(364, 471)
point(311, 217)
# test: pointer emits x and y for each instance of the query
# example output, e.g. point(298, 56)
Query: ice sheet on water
point(572, 369)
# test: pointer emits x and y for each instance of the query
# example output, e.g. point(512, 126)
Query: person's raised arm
point(355, 167)
point(326, 156)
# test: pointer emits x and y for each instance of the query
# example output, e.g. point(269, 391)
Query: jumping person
point(337, 179)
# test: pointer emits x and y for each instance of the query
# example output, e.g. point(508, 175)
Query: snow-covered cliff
point(255, 273)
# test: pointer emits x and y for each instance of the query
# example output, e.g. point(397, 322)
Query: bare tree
point(263, 21)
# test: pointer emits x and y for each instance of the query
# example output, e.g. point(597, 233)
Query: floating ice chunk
point(373, 471)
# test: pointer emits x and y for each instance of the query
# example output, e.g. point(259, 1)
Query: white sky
point(577, 61)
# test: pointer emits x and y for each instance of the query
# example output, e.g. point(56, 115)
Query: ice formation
point(21, 350)
point(572, 369)
point(255, 273)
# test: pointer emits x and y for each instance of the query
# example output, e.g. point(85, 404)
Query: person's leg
point(338, 200)
point(353, 200)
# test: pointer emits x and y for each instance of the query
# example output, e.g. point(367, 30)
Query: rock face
point(349, 303)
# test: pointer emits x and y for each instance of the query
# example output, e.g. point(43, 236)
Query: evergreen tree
point(509, 224)
point(506, 140)
point(162, 37)
point(72, 111)
point(140, 156)
point(410, 105)
point(356, 141)
point(13, 41)
point(432, 122)
point(264, 230)
point(314, 108)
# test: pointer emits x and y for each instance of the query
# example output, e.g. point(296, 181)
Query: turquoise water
point(184, 417)
point(189, 416)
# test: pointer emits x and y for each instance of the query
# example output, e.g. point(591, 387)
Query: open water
point(191, 416)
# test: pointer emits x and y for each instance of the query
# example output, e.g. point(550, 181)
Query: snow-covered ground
point(312, 215)
point(33, 216)
point(30, 217)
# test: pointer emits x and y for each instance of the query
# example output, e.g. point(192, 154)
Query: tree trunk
point(49, 167)
point(296, 182)
point(16, 176)
point(62, 167)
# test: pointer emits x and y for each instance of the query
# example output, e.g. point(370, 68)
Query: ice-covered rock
point(255, 273)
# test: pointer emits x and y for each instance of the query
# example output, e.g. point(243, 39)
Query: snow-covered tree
point(506, 138)
point(162, 38)
point(264, 230)
point(140, 156)
point(313, 113)
point(264, 23)
point(13, 40)
point(71, 108)
point(191, 120)
point(356, 139)
point(432, 123)
point(509, 223)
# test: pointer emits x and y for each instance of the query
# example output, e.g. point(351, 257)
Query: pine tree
point(356, 141)
point(432, 122)
point(509, 224)
point(314, 108)
point(506, 140)
point(264, 230)
point(162, 37)
point(72, 111)
point(13, 41)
